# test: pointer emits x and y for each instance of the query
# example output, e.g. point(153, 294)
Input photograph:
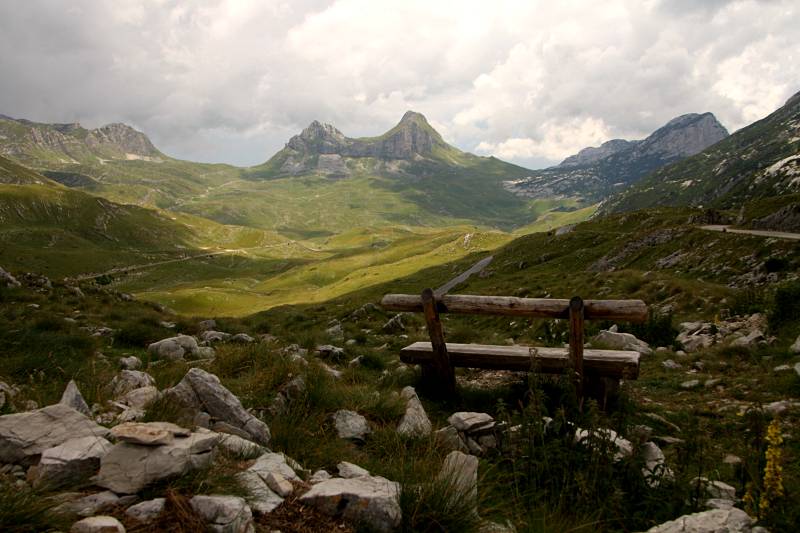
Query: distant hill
point(594, 173)
point(759, 161)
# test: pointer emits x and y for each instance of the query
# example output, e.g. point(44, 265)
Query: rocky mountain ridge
point(32, 142)
point(323, 148)
point(758, 161)
point(595, 172)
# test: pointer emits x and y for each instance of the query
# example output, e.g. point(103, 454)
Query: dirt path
point(134, 268)
point(758, 233)
point(461, 278)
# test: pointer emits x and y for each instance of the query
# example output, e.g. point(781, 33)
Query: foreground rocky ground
point(238, 431)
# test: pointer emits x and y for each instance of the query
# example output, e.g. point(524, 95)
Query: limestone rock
point(243, 338)
point(459, 474)
point(212, 336)
point(350, 425)
point(174, 348)
point(669, 364)
point(690, 384)
point(273, 462)
point(370, 500)
point(72, 397)
point(319, 476)
point(622, 341)
point(259, 496)
point(239, 447)
point(450, 439)
point(93, 504)
point(148, 434)
point(781, 406)
point(394, 325)
point(349, 470)
point(279, 484)
point(715, 489)
point(202, 391)
point(24, 436)
point(731, 520)
point(748, 341)
point(415, 422)
point(71, 463)
point(98, 524)
point(795, 347)
point(130, 363)
point(140, 398)
point(205, 325)
point(624, 448)
point(146, 511)
point(128, 380)
point(8, 280)
point(468, 421)
point(224, 514)
point(128, 468)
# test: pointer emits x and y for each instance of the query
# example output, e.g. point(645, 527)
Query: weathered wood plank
point(576, 343)
point(438, 375)
point(607, 363)
point(630, 310)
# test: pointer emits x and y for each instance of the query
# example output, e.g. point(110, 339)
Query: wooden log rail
point(629, 310)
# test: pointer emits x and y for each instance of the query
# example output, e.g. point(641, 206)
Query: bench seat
point(615, 364)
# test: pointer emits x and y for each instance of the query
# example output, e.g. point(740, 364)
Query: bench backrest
point(575, 310)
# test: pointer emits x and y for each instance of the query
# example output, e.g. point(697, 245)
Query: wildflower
point(773, 472)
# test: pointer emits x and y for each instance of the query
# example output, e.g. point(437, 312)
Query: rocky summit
point(596, 172)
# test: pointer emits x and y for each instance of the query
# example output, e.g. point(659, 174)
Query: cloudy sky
point(528, 81)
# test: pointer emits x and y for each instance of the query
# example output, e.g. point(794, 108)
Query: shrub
point(657, 330)
point(785, 305)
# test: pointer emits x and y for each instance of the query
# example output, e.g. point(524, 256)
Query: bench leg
point(438, 378)
point(603, 390)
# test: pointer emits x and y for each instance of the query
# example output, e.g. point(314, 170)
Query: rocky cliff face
point(71, 143)
point(323, 148)
point(761, 160)
point(595, 173)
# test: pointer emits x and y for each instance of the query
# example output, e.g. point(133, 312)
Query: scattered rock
point(622, 341)
point(128, 468)
point(205, 325)
point(349, 470)
point(459, 474)
point(731, 520)
point(240, 447)
point(98, 524)
point(655, 464)
point(332, 372)
point(279, 484)
point(319, 476)
point(259, 496)
point(128, 380)
point(24, 436)
point(335, 331)
point(781, 406)
point(224, 514)
point(369, 500)
point(201, 391)
point(212, 336)
point(174, 348)
point(93, 504)
point(147, 434)
point(449, 438)
point(669, 364)
point(782, 368)
point(8, 280)
point(273, 462)
point(130, 363)
point(795, 347)
point(72, 398)
point(328, 351)
point(146, 511)
point(350, 425)
point(242, 338)
point(394, 325)
point(624, 446)
point(415, 422)
point(748, 341)
point(70, 463)
point(690, 384)
point(141, 398)
point(715, 489)
point(468, 421)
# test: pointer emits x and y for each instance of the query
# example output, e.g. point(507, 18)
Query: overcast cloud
point(528, 81)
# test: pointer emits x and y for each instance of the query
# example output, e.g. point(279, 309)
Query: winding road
point(756, 232)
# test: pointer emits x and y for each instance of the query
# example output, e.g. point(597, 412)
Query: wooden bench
point(592, 367)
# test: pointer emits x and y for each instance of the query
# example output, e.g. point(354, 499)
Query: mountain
point(759, 161)
point(594, 173)
point(323, 149)
point(32, 142)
